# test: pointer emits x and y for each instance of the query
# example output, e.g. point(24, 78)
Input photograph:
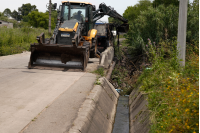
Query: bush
point(161, 23)
point(173, 91)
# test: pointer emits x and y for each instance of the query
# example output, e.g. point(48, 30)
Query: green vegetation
point(40, 19)
point(132, 12)
point(29, 16)
point(160, 23)
point(99, 71)
point(17, 40)
point(173, 91)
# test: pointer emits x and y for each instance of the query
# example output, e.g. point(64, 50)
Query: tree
point(15, 15)
point(25, 18)
point(193, 21)
point(166, 3)
point(132, 12)
point(1, 14)
point(7, 12)
point(54, 15)
point(25, 9)
point(40, 19)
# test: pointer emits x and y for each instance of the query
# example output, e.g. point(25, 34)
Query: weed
point(97, 82)
point(99, 71)
point(34, 119)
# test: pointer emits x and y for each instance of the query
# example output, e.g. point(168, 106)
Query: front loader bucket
point(53, 56)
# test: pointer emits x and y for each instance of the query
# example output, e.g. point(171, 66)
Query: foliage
point(54, 16)
point(7, 12)
point(193, 21)
point(132, 12)
point(25, 19)
point(40, 19)
point(166, 3)
point(17, 40)
point(119, 75)
point(173, 91)
point(161, 23)
point(25, 9)
point(15, 15)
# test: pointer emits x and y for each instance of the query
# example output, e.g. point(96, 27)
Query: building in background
point(6, 24)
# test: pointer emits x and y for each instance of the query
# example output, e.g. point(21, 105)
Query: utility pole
point(182, 28)
point(49, 16)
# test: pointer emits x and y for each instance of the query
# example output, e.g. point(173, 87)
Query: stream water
point(121, 124)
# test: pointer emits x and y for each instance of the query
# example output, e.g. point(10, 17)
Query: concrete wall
point(97, 113)
point(139, 114)
point(106, 57)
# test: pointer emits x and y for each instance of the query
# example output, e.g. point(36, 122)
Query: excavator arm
point(107, 10)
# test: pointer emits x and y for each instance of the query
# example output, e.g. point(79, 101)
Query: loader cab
point(78, 11)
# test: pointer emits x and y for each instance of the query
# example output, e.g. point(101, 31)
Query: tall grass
point(17, 40)
point(173, 91)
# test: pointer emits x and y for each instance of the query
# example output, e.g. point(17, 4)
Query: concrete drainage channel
point(97, 113)
point(104, 111)
point(121, 124)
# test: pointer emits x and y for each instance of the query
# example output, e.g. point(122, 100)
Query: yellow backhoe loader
point(74, 39)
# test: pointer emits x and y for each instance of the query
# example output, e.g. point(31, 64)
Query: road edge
point(97, 113)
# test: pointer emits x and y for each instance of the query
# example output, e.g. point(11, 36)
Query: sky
point(119, 5)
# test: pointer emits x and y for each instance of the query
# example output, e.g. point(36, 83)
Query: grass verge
point(17, 40)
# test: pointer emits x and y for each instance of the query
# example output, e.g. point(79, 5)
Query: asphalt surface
point(31, 96)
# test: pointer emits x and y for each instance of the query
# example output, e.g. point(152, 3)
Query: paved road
point(25, 93)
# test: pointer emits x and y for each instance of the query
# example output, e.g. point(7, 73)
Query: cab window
point(77, 13)
point(66, 12)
